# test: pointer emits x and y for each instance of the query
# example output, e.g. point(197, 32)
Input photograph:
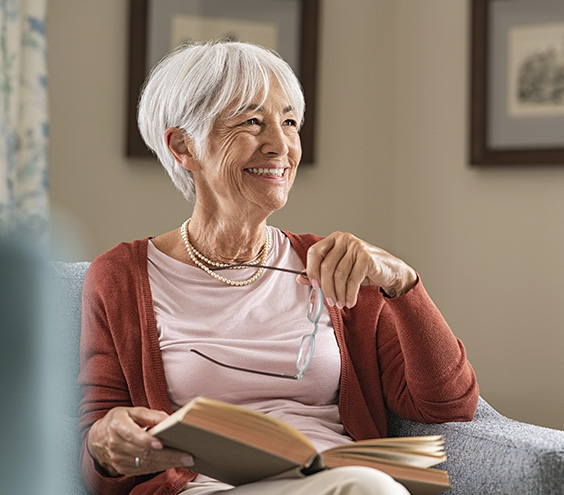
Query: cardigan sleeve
point(101, 376)
point(424, 371)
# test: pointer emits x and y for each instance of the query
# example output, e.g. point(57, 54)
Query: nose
point(275, 141)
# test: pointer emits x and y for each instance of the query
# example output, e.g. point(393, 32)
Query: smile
point(273, 172)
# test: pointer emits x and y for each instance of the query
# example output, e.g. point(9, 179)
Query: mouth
point(267, 172)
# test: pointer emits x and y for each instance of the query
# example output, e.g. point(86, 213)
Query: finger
point(315, 255)
point(303, 279)
point(130, 426)
point(154, 461)
point(147, 417)
point(167, 458)
point(341, 279)
point(335, 268)
point(357, 276)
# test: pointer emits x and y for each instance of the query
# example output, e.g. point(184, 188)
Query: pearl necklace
point(201, 261)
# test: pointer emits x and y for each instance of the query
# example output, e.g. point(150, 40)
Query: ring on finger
point(137, 463)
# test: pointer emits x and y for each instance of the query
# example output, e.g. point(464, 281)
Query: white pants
point(339, 481)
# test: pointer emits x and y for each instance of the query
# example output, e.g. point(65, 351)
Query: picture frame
point(294, 23)
point(517, 82)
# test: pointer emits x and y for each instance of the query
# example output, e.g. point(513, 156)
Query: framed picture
point(287, 26)
point(517, 82)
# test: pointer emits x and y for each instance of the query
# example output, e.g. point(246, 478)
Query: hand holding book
point(120, 444)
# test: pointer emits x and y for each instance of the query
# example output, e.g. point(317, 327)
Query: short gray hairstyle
point(195, 83)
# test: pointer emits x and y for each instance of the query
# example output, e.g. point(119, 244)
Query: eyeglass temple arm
point(291, 376)
point(242, 265)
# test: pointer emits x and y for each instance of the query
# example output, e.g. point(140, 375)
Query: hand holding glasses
point(307, 346)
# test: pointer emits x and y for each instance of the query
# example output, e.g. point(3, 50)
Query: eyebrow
point(258, 108)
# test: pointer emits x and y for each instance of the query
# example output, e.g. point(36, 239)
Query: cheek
point(234, 155)
point(227, 153)
point(292, 177)
point(295, 145)
point(238, 147)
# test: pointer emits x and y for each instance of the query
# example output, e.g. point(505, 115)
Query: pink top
point(267, 320)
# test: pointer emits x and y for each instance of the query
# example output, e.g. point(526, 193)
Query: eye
point(253, 121)
point(291, 123)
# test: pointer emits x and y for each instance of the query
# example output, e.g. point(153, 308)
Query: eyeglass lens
point(307, 346)
point(315, 305)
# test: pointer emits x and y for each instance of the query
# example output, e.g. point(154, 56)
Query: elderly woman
point(170, 318)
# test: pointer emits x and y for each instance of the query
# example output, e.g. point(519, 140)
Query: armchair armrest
point(494, 454)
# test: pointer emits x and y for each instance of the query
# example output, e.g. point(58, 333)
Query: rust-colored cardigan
point(396, 353)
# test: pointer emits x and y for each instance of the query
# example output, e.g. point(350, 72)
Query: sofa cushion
point(67, 279)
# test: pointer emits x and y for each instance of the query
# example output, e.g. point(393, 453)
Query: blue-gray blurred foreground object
point(30, 373)
point(490, 455)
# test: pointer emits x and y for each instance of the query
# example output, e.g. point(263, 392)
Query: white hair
point(195, 83)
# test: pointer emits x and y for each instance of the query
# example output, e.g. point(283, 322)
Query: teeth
point(276, 172)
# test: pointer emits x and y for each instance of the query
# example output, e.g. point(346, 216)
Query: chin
point(276, 204)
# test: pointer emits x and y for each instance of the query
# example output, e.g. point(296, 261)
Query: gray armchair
point(490, 455)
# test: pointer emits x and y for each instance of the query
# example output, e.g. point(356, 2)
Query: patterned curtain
point(24, 200)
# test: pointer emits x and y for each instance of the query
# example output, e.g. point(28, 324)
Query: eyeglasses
point(307, 345)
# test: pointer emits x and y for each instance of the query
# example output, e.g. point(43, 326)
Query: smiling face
point(251, 159)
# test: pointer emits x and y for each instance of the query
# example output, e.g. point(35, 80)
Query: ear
point(180, 145)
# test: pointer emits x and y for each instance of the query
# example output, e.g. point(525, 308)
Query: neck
point(230, 242)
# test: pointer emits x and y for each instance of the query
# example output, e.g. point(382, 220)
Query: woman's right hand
point(121, 435)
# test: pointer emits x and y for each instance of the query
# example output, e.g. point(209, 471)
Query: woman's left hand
point(341, 263)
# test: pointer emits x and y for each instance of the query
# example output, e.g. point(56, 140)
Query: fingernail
point(187, 460)
point(156, 444)
point(315, 284)
point(340, 305)
point(330, 302)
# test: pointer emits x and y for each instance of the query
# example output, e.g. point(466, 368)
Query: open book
point(237, 445)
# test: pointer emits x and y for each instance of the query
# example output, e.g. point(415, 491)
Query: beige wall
point(489, 243)
point(392, 167)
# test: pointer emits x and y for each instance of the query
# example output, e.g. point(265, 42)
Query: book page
point(414, 451)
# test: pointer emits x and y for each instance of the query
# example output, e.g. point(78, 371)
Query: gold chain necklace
point(201, 261)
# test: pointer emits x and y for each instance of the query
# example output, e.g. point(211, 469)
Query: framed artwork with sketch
point(287, 26)
point(517, 82)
